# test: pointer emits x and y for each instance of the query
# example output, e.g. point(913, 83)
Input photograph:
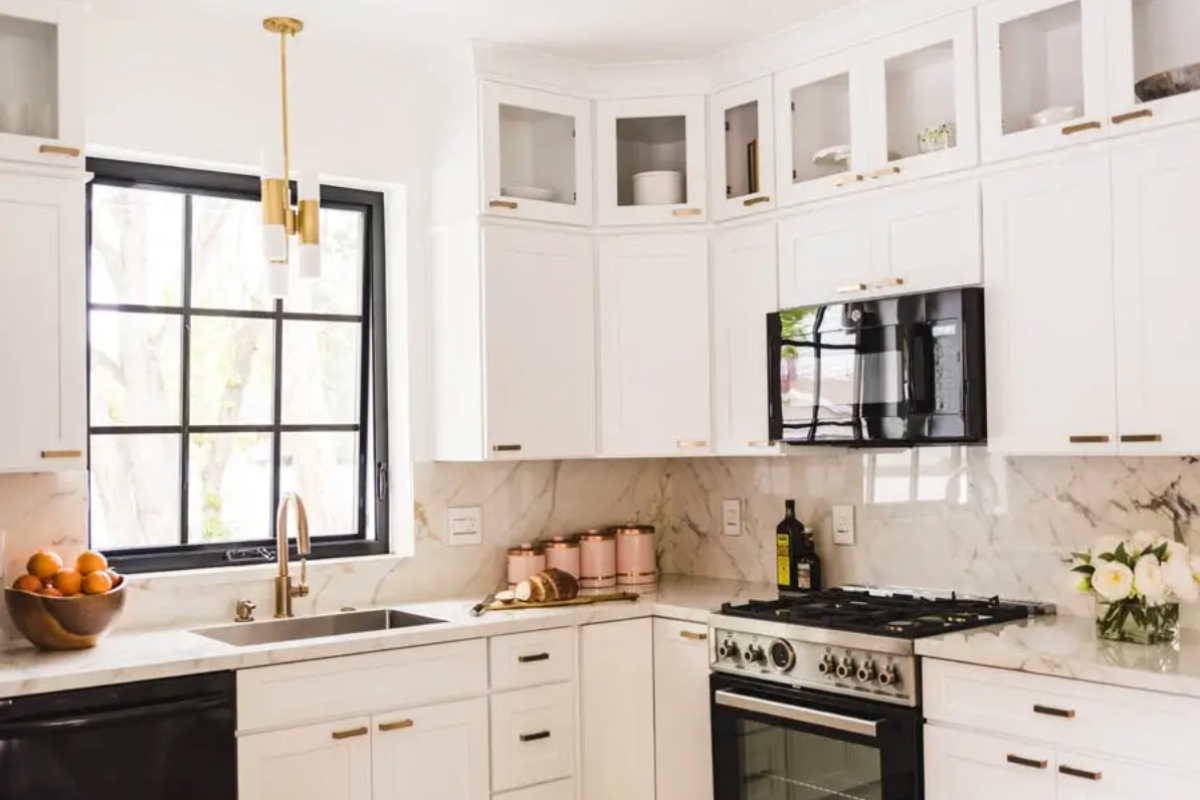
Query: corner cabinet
point(742, 130)
point(43, 313)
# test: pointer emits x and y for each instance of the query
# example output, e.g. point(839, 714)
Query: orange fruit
point(97, 583)
point(68, 581)
point(90, 562)
point(28, 583)
point(116, 577)
point(50, 591)
point(43, 564)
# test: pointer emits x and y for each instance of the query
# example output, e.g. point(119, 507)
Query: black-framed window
point(208, 400)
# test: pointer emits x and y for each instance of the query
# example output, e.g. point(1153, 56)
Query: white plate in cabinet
point(825, 255)
point(1036, 55)
point(562, 790)
point(431, 753)
point(634, 137)
point(533, 736)
point(927, 239)
point(961, 765)
point(537, 154)
point(682, 726)
point(742, 130)
point(329, 761)
point(1145, 38)
point(532, 659)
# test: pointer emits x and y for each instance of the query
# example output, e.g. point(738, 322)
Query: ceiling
point(595, 31)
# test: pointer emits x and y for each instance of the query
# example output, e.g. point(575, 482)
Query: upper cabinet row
point(1008, 79)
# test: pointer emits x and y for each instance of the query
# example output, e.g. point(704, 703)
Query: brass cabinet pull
point(506, 448)
point(535, 657)
point(688, 444)
point(889, 282)
point(847, 180)
point(504, 204)
point(59, 150)
point(1080, 773)
point(1121, 119)
point(533, 737)
point(687, 212)
point(1090, 440)
point(761, 443)
point(852, 287)
point(1049, 711)
point(1141, 438)
point(1071, 130)
point(754, 201)
point(350, 734)
point(62, 454)
point(1026, 762)
point(693, 637)
point(884, 173)
point(398, 725)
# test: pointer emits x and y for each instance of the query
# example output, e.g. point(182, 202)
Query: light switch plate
point(731, 517)
point(465, 526)
point(843, 525)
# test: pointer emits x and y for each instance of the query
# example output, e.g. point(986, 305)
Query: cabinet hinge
point(575, 197)
point(729, 191)
point(795, 175)
point(381, 481)
point(728, 127)
point(793, 107)
point(572, 133)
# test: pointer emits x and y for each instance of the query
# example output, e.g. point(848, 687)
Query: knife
point(482, 606)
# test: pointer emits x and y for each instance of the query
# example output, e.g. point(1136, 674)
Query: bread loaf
point(547, 586)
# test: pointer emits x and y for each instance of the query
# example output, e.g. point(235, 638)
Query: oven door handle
point(809, 716)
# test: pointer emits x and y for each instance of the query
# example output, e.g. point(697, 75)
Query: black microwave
point(889, 372)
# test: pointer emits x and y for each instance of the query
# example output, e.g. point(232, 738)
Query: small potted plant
point(1139, 583)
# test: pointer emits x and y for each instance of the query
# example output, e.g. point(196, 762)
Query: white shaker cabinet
point(654, 346)
point(682, 723)
point(1146, 38)
point(745, 289)
point(327, 761)
point(43, 336)
point(742, 130)
point(961, 765)
point(1049, 296)
point(924, 240)
point(434, 753)
point(825, 255)
point(616, 681)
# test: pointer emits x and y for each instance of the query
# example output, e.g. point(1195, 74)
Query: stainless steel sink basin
point(289, 630)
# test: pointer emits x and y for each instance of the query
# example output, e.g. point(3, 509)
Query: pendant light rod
point(285, 27)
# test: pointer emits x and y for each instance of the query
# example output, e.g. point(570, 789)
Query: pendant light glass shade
point(308, 224)
point(277, 277)
point(275, 208)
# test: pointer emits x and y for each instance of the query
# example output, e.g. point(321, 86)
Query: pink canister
point(636, 563)
point(563, 553)
point(523, 563)
point(597, 560)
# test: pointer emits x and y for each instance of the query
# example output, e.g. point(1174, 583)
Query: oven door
point(776, 743)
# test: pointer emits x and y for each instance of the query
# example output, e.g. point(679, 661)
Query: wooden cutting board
point(578, 601)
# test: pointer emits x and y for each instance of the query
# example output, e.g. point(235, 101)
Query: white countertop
point(137, 656)
point(1067, 647)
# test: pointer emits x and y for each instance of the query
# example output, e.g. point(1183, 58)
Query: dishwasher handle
point(99, 719)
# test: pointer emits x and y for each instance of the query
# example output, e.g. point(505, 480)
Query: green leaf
point(1160, 552)
point(1084, 569)
point(1109, 557)
point(1086, 558)
point(1122, 555)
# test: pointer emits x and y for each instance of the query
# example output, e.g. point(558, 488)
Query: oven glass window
point(782, 764)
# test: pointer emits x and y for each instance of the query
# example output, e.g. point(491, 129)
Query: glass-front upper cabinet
point(651, 161)
point(742, 127)
point(1043, 73)
point(1154, 63)
point(537, 153)
point(41, 82)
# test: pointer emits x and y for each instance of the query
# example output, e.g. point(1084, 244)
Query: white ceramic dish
point(838, 154)
point(1053, 116)
point(529, 193)
point(659, 188)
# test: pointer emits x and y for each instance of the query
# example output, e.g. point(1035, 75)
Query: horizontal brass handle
point(1090, 440)
point(693, 637)
point(1141, 438)
point(531, 658)
point(1071, 130)
point(1026, 762)
point(1121, 119)
point(847, 180)
point(691, 443)
point(62, 454)
point(761, 443)
point(883, 173)
point(1080, 773)
point(852, 287)
point(889, 282)
point(506, 448)
point(350, 734)
point(533, 737)
point(398, 725)
point(1050, 711)
point(754, 201)
point(504, 204)
point(687, 212)
point(59, 150)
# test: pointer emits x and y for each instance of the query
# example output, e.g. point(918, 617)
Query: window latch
point(381, 481)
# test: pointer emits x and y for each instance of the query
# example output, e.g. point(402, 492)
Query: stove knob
point(756, 655)
point(866, 673)
point(826, 665)
point(783, 656)
point(889, 676)
point(845, 667)
point(728, 650)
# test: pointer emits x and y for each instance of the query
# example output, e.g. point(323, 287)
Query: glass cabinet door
point(1154, 52)
point(1042, 75)
point(743, 153)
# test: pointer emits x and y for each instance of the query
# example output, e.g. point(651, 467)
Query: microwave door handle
point(808, 716)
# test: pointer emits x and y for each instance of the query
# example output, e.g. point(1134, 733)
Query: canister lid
point(525, 550)
point(633, 530)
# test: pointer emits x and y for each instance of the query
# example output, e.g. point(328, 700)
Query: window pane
point(232, 371)
point(343, 252)
point(135, 368)
point(321, 365)
point(137, 246)
point(134, 491)
point(323, 469)
point(227, 260)
point(229, 487)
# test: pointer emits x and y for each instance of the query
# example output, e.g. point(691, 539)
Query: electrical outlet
point(843, 525)
point(731, 517)
point(465, 526)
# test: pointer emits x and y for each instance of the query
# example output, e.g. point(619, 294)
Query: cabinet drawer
point(561, 790)
point(1061, 712)
point(532, 659)
point(329, 688)
point(533, 736)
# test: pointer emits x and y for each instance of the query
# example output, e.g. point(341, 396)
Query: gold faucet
point(284, 588)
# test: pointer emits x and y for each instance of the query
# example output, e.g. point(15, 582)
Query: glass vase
point(1134, 621)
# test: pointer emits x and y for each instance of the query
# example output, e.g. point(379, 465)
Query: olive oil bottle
point(797, 562)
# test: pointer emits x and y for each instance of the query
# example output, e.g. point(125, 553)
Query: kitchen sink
point(297, 628)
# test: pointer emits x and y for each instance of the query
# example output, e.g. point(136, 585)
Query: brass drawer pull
point(62, 454)
point(687, 212)
point(1071, 130)
point(847, 180)
point(532, 658)
point(1080, 773)
point(852, 287)
point(533, 737)
point(506, 448)
point(884, 173)
point(693, 637)
point(59, 150)
point(1026, 762)
point(350, 734)
point(1090, 440)
point(691, 444)
point(754, 201)
point(889, 283)
point(509, 204)
point(1049, 711)
point(1121, 119)
point(761, 443)
point(398, 725)
point(1142, 438)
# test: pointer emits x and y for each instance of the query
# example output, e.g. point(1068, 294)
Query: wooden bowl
point(64, 623)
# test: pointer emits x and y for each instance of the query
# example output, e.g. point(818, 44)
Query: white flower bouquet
point(1139, 583)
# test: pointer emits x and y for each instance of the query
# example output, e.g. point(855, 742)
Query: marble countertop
point(136, 656)
point(1067, 647)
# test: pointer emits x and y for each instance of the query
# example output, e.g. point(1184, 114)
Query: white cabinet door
point(651, 161)
point(927, 239)
point(533, 736)
point(682, 727)
point(960, 765)
point(43, 318)
point(1039, 55)
point(1145, 39)
point(433, 753)
point(1088, 776)
point(742, 130)
point(540, 340)
point(654, 346)
point(537, 154)
point(745, 290)
point(331, 761)
point(1049, 296)
point(617, 710)
point(1156, 240)
point(825, 256)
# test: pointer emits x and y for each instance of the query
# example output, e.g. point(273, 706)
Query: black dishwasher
point(153, 740)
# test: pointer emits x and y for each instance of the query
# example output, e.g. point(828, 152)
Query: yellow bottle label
point(783, 558)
